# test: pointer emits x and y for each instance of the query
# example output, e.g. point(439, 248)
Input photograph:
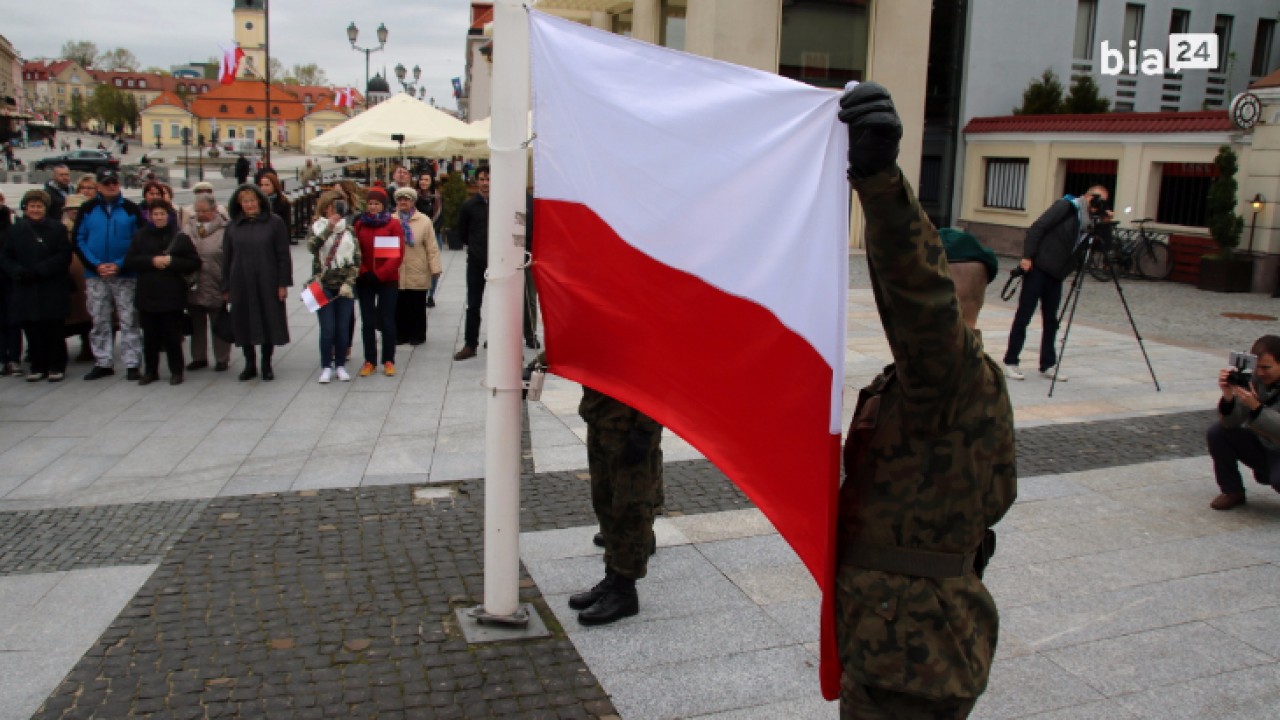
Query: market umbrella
point(426, 130)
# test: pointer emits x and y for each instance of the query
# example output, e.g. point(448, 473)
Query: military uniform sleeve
point(913, 291)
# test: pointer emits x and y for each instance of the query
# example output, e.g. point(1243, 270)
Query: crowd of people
point(136, 279)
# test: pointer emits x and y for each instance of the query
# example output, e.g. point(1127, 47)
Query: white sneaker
point(326, 375)
point(1047, 374)
point(342, 374)
point(1013, 373)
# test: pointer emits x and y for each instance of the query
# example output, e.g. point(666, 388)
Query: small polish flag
point(386, 246)
point(344, 97)
point(230, 66)
point(313, 297)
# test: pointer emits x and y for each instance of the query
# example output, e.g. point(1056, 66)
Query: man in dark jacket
point(59, 188)
point(102, 236)
point(473, 228)
point(242, 170)
point(1048, 257)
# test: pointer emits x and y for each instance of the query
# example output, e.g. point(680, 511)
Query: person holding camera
point(1048, 257)
point(1248, 430)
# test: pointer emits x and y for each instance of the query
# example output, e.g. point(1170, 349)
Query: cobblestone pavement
point(339, 603)
point(1170, 312)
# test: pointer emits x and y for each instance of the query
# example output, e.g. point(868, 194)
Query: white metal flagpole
point(505, 290)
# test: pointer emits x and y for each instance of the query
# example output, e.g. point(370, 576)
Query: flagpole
point(505, 290)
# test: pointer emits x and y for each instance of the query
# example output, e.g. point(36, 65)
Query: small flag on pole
point(313, 297)
point(344, 97)
point(386, 246)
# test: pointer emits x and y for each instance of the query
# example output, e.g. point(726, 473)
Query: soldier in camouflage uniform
point(929, 461)
point(625, 459)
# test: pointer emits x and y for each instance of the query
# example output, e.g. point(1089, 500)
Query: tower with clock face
point(250, 33)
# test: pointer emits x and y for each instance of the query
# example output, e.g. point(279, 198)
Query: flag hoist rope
point(508, 169)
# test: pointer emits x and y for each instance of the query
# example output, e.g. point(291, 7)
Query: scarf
point(375, 221)
point(408, 232)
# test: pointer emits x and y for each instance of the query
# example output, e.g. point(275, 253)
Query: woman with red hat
point(381, 252)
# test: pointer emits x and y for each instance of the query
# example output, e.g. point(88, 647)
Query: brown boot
point(1226, 501)
point(466, 353)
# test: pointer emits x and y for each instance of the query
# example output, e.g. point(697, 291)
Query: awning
point(427, 132)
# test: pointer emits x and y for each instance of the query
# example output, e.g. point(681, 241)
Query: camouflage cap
point(964, 247)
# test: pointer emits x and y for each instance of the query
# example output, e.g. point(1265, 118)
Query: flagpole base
point(480, 626)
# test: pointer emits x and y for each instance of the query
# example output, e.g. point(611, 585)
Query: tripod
point(1093, 243)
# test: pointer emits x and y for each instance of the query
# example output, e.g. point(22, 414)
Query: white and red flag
point(344, 97)
point(386, 246)
point(692, 225)
point(230, 66)
point(313, 297)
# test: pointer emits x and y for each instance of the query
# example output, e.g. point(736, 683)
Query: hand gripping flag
point(230, 66)
point(692, 220)
point(313, 297)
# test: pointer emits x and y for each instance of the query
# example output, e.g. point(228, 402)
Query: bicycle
point(1133, 252)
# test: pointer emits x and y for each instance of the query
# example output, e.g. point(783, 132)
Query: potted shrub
point(453, 193)
point(1225, 271)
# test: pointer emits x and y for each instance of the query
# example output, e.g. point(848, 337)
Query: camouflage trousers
point(624, 498)
point(864, 702)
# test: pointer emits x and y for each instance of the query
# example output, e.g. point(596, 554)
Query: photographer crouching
point(1249, 428)
point(1049, 255)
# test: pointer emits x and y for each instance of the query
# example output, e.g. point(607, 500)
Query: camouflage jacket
point(605, 413)
point(936, 471)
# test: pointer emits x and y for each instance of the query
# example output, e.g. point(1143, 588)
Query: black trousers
point(161, 330)
point(1038, 287)
point(411, 317)
point(475, 298)
point(46, 345)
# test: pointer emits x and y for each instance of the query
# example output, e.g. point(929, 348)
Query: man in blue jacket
point(1048, 257)
point(103, 234)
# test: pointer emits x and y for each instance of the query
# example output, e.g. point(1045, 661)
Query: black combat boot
point(584, 600)
point(618, 602)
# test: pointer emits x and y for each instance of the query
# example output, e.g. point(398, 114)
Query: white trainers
point(342, 374)
point(326, 375)
point(1013, 373)
point(1047, 374)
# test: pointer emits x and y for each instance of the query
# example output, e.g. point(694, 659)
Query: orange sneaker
point(389, 369)
point(366, 370)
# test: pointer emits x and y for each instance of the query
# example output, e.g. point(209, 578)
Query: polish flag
point(230, 66)
point(386, 246)
point(313, 297)
point(692, 225)
point(344, 97)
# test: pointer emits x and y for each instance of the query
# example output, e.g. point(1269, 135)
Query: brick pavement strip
point(339, 603)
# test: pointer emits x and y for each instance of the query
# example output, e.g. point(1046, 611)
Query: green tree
point(132, 113)
point(1042, 97)
point(309, 74)
point(81, 51)
point(1085, 98)
point(119, 59)
point(453, 194)
point(1224, 224)
point(78, 112)
point(105, 104)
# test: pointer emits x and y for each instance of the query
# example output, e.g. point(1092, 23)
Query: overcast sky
point(428, 33)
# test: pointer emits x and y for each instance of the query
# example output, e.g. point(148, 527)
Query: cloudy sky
point(427, 33)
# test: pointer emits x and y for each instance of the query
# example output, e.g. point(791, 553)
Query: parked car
point(82, 160)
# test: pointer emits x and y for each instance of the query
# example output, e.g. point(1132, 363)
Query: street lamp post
point(352, 33)
point(1256, 202)
point(410, 87)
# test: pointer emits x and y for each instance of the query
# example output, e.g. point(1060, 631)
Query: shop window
point(1084, 174)
point(1184, 193)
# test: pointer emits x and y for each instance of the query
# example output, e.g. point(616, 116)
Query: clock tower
point(250, 17)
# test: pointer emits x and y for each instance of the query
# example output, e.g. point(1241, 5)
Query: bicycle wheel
point(1098, 267)
point(1153, 260)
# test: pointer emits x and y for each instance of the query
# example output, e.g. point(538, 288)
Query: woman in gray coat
point(257, 273)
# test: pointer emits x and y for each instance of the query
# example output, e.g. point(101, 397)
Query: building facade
point(250, 23)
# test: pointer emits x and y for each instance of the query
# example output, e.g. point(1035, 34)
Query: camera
point(1098, 207)
point(1243, 365)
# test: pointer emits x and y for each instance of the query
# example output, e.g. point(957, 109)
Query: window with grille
point(1184, 193)
point(1006, 183)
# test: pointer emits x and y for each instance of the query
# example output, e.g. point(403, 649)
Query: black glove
point(637, 447)
point(874, 129)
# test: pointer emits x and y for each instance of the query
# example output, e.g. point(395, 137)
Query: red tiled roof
point(240, 96)
point(154, 81)
point(168, 98)
point(1152, 122)
point(1270, 81)
point(481, 15)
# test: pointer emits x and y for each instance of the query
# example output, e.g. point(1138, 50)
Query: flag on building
point(344, 97)
point(692, 224)
point(230, 66)
point(313, 297)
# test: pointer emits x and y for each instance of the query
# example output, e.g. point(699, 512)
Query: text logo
point(1187, 51)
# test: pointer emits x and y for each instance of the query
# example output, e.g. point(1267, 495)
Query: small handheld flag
point(313, 297)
